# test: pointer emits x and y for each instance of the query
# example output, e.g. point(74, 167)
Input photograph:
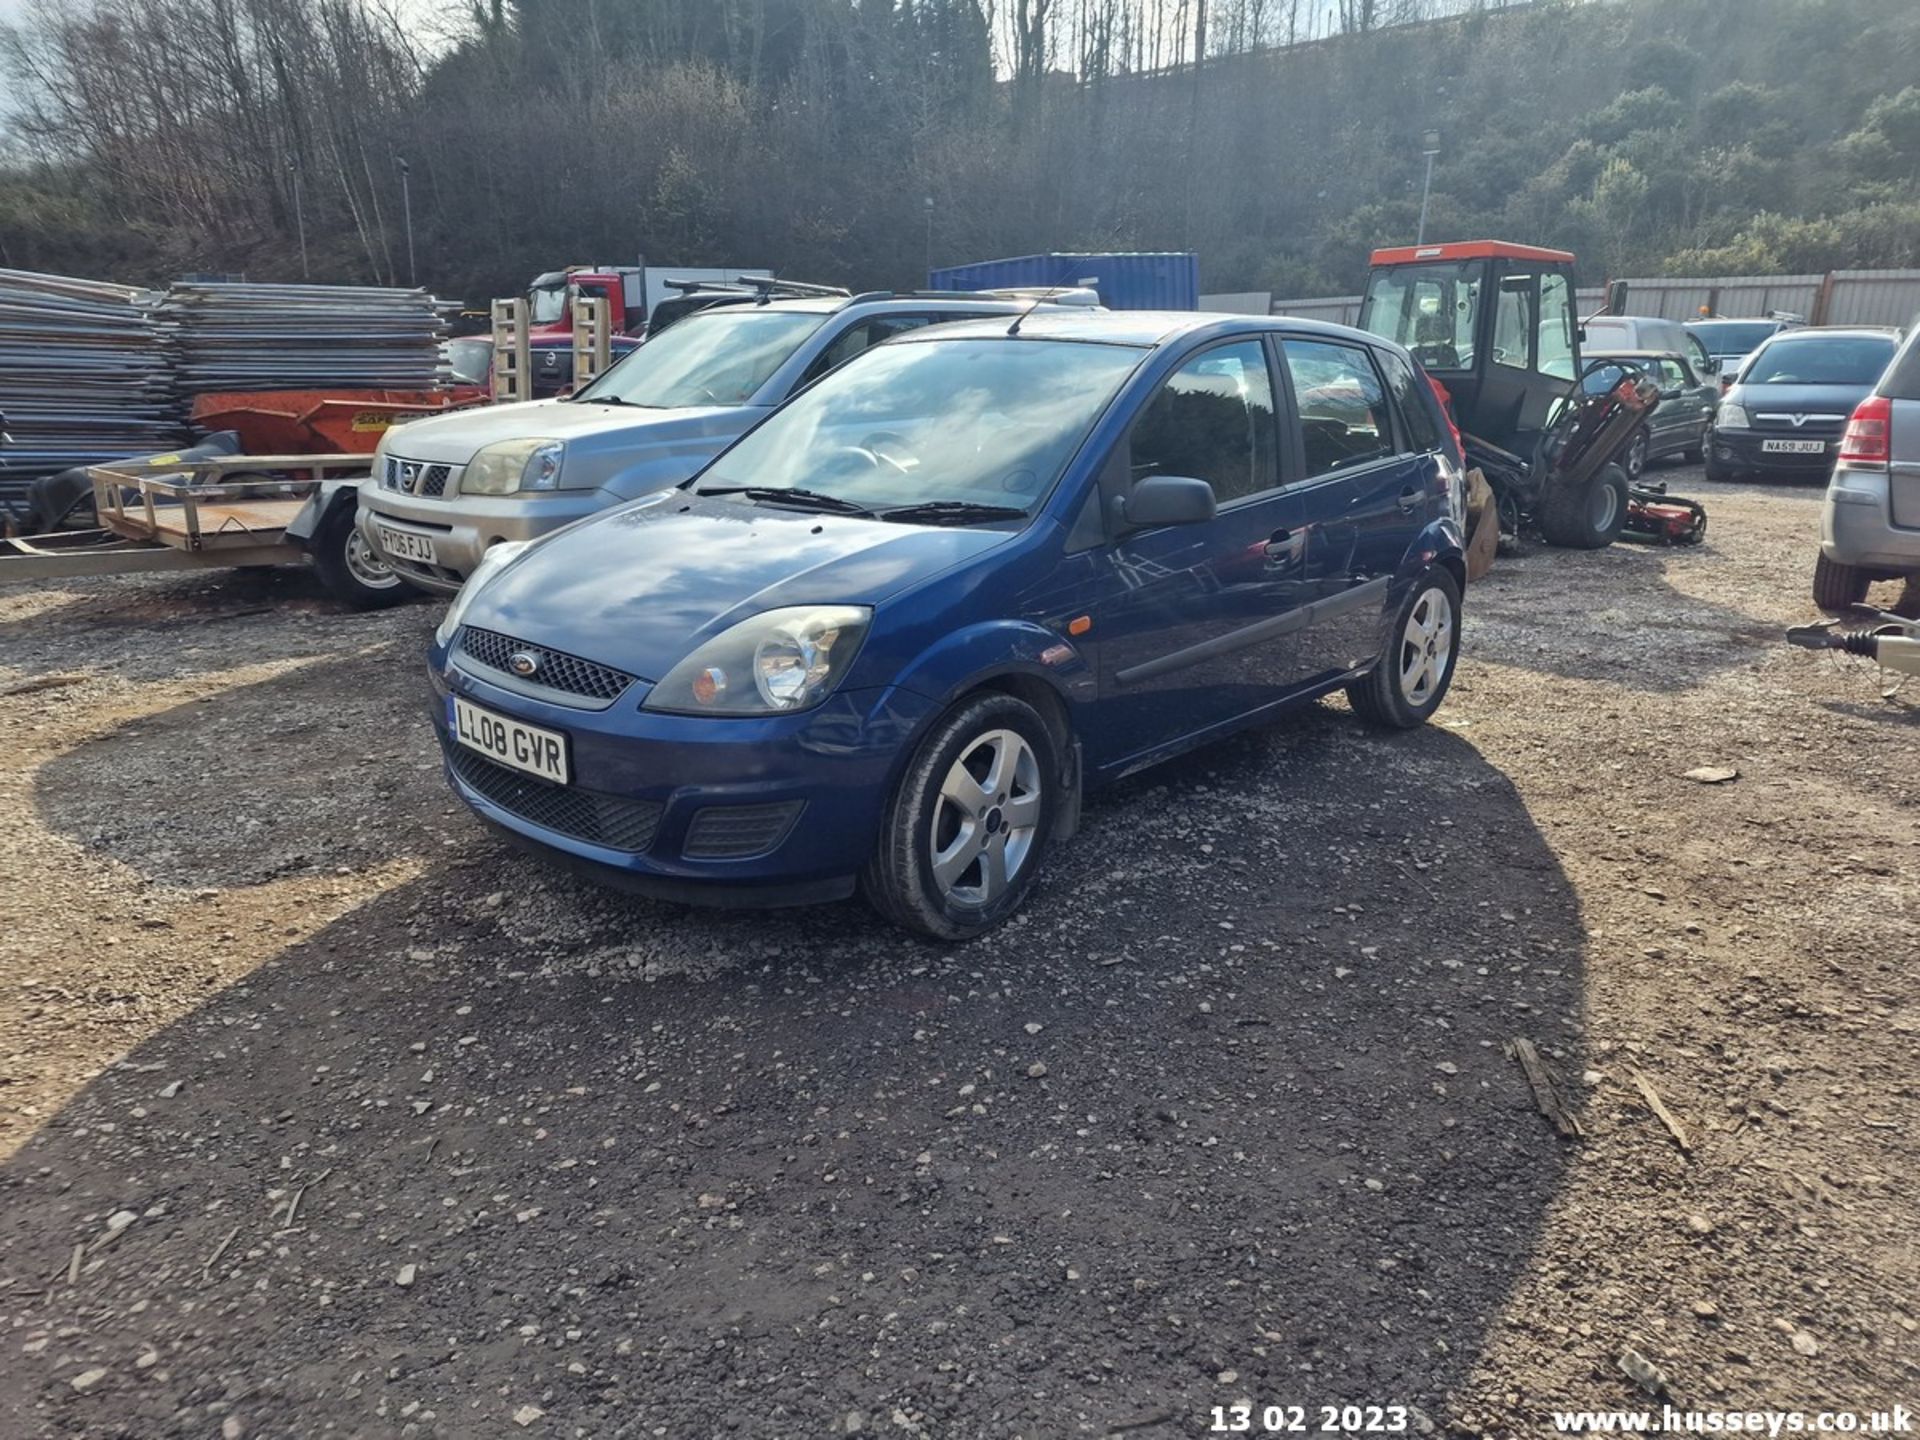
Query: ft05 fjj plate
point(405, 545)
point(510, 742)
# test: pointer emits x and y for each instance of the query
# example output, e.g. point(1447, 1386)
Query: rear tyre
point(350, 567)
point(1836, 586)
point(967, 828)
point(1411, 678)
point(1589, 516)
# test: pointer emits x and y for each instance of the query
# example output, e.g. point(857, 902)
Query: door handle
point(1409, 499)
point(1285, 544)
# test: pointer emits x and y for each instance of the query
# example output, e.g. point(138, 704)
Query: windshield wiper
point(958, 510)
point(799, 499)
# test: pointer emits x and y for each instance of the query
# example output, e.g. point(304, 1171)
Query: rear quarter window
point(1902, 380)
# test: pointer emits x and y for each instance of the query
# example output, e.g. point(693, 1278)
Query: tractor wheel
point(1836, 586)
point(1586, 517)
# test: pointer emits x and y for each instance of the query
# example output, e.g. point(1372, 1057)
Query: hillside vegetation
point(1690, 136)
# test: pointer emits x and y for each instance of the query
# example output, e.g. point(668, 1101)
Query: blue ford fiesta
point(886, 639)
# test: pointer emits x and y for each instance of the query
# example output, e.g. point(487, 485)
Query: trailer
point(222, 512)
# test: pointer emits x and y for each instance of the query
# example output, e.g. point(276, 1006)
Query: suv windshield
point(971, 423)
point(1820, 360)
point(717, 357)
point(1724, 340)
point(1430, 309)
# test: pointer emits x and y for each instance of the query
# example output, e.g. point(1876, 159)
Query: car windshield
point(1820, 360)
point(1430, 309)
point(549, 305)
point(1734, 339)
point(965, 423)
point(717, 357)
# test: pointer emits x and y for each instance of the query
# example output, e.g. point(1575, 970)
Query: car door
point(1365, 494)
point(1191, 620)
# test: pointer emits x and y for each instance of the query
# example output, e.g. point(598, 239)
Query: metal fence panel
point(1874, 297)
point(1334, 309)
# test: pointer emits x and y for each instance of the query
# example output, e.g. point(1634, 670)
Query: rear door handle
point(1409, 499)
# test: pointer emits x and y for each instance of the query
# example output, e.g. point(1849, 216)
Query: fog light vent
point(733, 832)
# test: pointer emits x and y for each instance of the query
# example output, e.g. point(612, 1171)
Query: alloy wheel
point(1426, 648)
point(985, 818)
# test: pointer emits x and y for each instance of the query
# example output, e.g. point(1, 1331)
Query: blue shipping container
point(1158, 280)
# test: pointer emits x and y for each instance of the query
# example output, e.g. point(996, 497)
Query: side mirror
point(1671, 392)
point(1166, 500)
point(1617, 298)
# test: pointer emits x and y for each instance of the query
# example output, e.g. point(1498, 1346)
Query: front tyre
point(1588, 516)
point(1413, 673)
point(1636, 456)
point(350, 567)
point(966, 828)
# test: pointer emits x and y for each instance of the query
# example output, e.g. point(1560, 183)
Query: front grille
point(1811, 427)
point(732, 832)
point(415, 477)
point(555, 669)
point(608, 820)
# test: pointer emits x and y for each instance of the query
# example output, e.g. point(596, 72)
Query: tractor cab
point(1494, 322)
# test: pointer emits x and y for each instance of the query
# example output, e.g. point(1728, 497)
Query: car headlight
point(1730, 416)
point(489, 566)
point(777, 662)
point(513, 465)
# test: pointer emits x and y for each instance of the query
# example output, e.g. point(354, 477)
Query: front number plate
point(524, 747)
point(1793, 447)
point(405, 545)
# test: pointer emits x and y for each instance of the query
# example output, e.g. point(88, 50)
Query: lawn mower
point(1494, 324)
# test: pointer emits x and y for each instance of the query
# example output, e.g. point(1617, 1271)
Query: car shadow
point(1227, 1111)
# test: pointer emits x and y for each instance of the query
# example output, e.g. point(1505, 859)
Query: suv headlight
point(490, 563)
point(1730, 416)
point(777, 662)
point(513, 465)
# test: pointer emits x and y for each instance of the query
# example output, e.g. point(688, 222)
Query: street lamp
point(929, 209)
point(1430, 147)
point(406, 202)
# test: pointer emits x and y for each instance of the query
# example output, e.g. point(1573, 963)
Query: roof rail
point(1053, 295)
point(764, 286)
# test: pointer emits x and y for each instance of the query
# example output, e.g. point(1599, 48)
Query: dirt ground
point(323, 1113)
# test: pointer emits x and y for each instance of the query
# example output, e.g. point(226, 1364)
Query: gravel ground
point(323, 1113)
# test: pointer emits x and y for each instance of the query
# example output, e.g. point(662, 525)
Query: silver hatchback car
point(1870, 525)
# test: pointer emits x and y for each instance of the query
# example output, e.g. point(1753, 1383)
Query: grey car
point(444, 489)
point(1870, 524)
point(1678, 424)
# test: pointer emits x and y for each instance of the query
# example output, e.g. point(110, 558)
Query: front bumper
point(833, 767)
point(462, 527)
point(1743, 450)
point(1856, 525)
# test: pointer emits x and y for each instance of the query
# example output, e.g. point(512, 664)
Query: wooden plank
point(1545, 1093)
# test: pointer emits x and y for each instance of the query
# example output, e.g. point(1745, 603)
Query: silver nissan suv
point(444, 489)
point(1870, 524)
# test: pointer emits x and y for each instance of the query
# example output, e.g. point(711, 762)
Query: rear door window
point(1344, 417)
point(1213, 420)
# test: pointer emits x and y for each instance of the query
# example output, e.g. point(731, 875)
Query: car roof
point(1142, 328)
point(1609, 352)
point(1629, 320)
